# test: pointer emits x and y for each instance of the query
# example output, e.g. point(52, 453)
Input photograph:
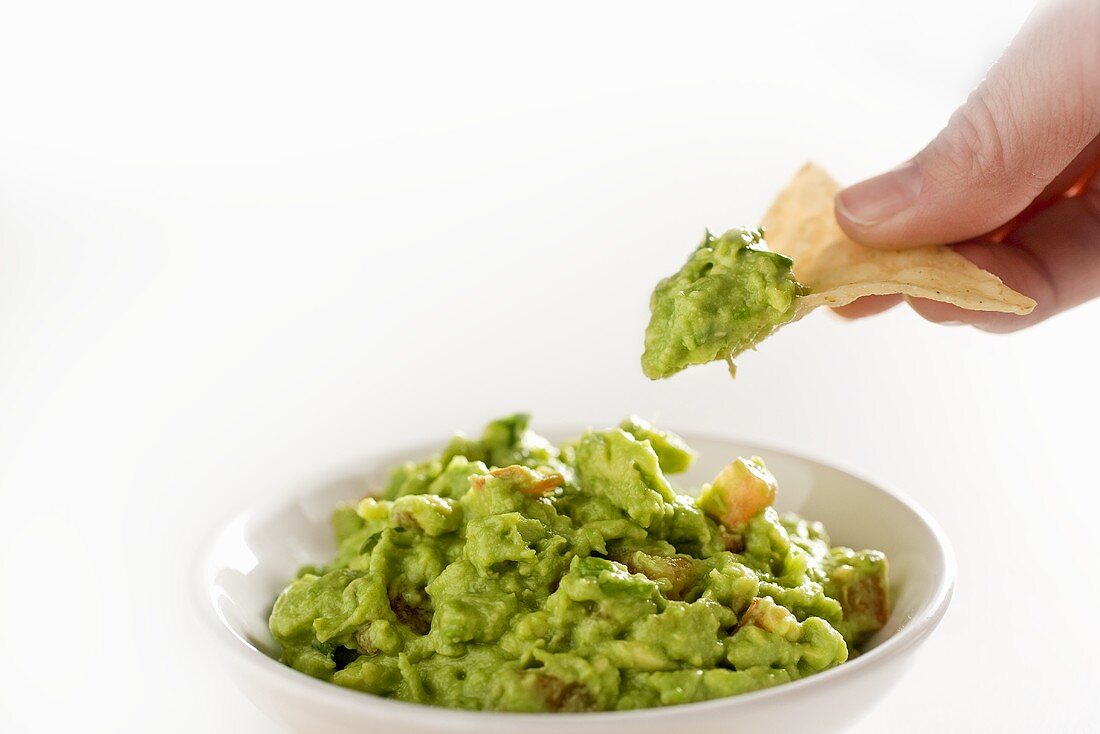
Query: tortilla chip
point(801, 225)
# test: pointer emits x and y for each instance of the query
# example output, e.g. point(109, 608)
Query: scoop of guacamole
point(509, 574)
point(730, 294)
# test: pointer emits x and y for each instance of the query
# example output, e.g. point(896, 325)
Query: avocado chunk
point(673, 454)
point(740, 491)
point(859, 581)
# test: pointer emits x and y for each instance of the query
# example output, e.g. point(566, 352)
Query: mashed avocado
point(509, 574)
point(730, 294)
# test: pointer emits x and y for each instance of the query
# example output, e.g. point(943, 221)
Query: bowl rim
point(924, 620)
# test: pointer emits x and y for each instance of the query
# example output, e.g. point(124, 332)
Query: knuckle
point(977, 142)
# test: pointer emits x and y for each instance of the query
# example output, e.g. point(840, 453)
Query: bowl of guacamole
point(599, 578)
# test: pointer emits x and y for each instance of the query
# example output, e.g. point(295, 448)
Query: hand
point(1008, 178)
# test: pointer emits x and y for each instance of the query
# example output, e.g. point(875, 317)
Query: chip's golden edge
point(843, 295)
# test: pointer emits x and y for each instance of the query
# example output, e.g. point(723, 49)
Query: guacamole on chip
point(730, 295)
point(733, 292)
point(509, 574)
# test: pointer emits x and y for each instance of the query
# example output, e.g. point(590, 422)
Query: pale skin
point(1011, 179)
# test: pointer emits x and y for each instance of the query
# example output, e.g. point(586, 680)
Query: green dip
point(730, 294)
point(508, 574)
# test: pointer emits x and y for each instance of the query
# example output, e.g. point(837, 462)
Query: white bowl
point(246, 562)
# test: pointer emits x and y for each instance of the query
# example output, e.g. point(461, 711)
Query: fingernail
point(877, 199)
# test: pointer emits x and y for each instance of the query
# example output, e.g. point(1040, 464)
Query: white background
point(243, 244)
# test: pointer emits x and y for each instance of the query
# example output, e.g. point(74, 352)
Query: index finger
point(1053, 258)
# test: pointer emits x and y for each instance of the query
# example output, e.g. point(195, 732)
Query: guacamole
point(730, 294)
point(509, 574)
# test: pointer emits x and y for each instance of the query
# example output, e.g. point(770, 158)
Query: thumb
point(1036, 110)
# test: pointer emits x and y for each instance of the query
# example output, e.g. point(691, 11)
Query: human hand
point(1008, 178)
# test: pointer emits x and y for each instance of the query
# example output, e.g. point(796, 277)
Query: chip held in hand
point(736, 289)
point(801, 224)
